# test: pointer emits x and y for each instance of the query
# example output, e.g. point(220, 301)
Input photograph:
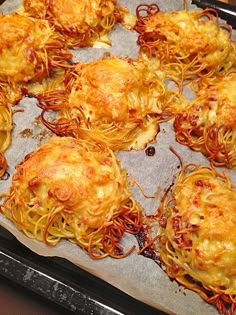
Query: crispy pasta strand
point(5, 131)
point(3, 164)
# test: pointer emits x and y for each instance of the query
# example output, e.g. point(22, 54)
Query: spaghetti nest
point(208, 122)
point(75, 190)
point(81, 23)
point(188, 44)
point(113, 101)
point(29, 50)
point(5, 130)
point(198, 242)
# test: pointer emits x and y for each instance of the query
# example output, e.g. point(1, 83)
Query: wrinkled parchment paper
point(136, 275)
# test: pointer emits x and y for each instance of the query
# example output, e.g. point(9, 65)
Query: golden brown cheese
point(75, 190)
point(82, 23)
point(187, 43)
point(29, 49)
point(114, 101)
point(208, 124)
point(198, 243)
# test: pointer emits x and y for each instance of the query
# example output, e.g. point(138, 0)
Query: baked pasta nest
point(197, 243)
point(29, 50)
point(81, 23)
point(208, 123)
point(75, 190)
point(113, 101)
point(187, 44)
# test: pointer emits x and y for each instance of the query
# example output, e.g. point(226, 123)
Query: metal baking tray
point(226, 11)
point(63, 283)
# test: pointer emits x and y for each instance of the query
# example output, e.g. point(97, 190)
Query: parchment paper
point(136, 275)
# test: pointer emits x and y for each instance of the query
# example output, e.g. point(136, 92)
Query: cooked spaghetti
point(81, 23)
point(188, 44)
point(75, 190)
point(5, 130)
point(116, 102)
point(29, 49)
point(208, 123)
point(198, 239)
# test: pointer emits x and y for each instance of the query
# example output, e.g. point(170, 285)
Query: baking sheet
point(136, 275)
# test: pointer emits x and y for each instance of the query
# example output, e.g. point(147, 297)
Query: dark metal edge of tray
point(64, 283)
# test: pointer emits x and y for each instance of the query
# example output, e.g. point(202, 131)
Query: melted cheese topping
point(113, 101)
point(208, 122)
point(110, 88)
point(28, 48)
point(186, 43)
point(217, 101)
point(82, 23)
point(201, 231)
point(69, 189)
